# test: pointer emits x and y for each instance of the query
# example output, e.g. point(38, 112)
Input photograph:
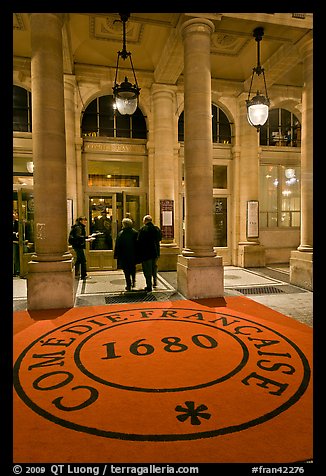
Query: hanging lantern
point(258, 106)
point(125, 94)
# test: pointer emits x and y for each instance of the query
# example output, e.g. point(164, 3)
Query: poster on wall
point(167, 219)
point(220, 221)
point(69, 213)
point(252, 219)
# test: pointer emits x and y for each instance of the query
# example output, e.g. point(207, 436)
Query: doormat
point(207, 381)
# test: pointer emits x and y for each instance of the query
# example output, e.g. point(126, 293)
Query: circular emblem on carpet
point(162, 374)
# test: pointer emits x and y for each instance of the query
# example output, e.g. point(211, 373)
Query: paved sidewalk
point(269, 286)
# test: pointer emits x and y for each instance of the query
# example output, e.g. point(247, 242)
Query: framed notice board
point(220, 221)
point(70, 219)
point(167, 219)
point(252, 219)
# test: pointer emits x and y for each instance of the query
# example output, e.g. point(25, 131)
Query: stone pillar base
point(251, 256)
point(200, 277)
point(50, 285)
point(169, 257)
point(301, 269)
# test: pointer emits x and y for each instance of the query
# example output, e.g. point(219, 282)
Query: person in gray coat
point(149, 237)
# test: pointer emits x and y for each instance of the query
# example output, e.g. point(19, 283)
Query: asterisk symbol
point(193, 413)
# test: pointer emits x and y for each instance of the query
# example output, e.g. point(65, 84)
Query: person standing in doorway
point(103, 225)
point(125, 252)
point(149, 237)
point(15, 244)
point(78, 242)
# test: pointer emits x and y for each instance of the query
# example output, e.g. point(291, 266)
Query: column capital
point(60, 16)
point(69, 79)
point(150, 147)
point(79, 142)
point(236, 150)
point(305, 45)
point(242, 97)
point(168, 89)
point(197, 25)
point(176, 148)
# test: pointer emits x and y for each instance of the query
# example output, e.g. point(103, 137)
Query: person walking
point(149, 237)
point(125, 252)
point(78, 239)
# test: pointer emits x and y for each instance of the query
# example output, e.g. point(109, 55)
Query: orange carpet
point(207, 381)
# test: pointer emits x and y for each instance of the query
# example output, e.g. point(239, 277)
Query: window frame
point(217, 137)
point(286, 133)
point(265, 214)
point(26, 109)
point(102, 114)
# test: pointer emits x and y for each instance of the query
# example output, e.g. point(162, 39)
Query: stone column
point(50, 281)
point(79, 177)
point(69, 95)
point(235, 210)
point(250, 252)
point(301, 261)
point(164, 169)
point(199, 271)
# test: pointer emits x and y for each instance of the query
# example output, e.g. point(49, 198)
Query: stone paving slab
point(242, 277)
point(93, 291)
point(114, 282)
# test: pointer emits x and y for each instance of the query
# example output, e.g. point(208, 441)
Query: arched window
point(282, 128)
point(101, 119)
point(221, 126)
point(22, 110)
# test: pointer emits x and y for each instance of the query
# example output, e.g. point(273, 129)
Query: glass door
point(135, 208)
point(23, 229)
point(220, 221)
point(106, 212)
point(102, 221)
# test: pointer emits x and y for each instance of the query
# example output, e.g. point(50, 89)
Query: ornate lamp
point(125, 94)
point(258, 106)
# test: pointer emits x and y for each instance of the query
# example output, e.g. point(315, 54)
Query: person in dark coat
point(79, 245)
point(149, 237)
point(125, 252)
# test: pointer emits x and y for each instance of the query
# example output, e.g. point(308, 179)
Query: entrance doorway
point(23, 238)
point(106, 212)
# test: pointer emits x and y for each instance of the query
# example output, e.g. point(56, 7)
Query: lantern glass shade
point(126, 105)
point(126, 97)
point(257, 110)
point(30, 167)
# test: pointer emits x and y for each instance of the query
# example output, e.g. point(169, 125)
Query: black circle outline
point(237, 369)
point(168, 437)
